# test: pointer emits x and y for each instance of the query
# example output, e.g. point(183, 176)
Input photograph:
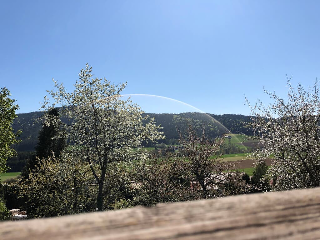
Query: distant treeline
point(173, 125)
point(214, 125)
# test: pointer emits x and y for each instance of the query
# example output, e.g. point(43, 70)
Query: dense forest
point(216, 125)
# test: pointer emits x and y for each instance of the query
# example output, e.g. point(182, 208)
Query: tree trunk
point(100, 190)
point(100, 196)
point(204, 188)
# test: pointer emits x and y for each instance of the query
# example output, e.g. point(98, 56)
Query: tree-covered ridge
point(30, 125)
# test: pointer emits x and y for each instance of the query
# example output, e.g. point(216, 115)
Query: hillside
point(215, 125)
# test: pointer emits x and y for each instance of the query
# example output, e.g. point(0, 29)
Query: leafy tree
point(289, 133)
point(7, 136)
point(58, 187)
point(162, 180)
point(119, 192)
point(103, 126)
point(4, 213)
point(258, 180)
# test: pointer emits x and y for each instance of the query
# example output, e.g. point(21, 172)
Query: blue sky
point(209, 54)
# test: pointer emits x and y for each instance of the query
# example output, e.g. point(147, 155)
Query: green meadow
point(8, 175)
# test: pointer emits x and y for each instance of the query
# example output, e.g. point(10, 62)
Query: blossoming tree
point(102, 127)
point(289, 132)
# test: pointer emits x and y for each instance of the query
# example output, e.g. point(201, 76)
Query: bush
point(259, 179)
point(4, 213)
point(162, 181)
point(58, 187)
point(259, 172)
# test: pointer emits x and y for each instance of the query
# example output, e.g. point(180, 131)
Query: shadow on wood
point(280, 215)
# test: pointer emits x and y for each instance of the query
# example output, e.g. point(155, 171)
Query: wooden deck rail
point(279, 215)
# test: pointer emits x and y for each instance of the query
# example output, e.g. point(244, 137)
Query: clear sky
point(209, 54)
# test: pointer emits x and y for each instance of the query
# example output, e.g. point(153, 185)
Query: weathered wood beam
point(278, 215)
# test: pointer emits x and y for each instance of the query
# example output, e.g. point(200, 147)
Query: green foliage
point(4, 213)
point(259, 179)
point(162, 181)
point(259, 172)
point(7, 136)
point(118, 192)
point(58, 187)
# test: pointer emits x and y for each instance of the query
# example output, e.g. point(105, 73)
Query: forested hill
point(215, 125)
point(235, 123)
point(30, 125)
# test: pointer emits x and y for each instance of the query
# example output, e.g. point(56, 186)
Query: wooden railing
point(278, 215)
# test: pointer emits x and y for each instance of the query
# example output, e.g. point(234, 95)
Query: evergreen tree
point(50, 141)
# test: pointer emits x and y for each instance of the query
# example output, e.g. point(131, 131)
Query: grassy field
point(8, 175)
point(248, 171)
point(244, 142)
point(237, 139)
point(233, 157)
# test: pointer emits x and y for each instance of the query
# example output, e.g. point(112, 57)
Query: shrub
point(4, 213)
point(58, 187)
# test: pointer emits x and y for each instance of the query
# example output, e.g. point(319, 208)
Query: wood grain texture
point(279, 215)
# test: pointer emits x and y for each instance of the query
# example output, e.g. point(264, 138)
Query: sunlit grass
point(232, 157)
point(248, 171)
point(8, 175)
